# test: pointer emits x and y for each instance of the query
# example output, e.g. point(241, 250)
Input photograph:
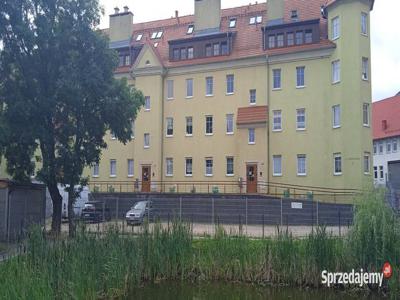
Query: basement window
point(139, 37)
point(190, 29)
point(232, 23)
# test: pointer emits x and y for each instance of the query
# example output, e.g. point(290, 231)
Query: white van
point(79, 203)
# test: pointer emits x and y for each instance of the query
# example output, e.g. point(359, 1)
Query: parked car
point(96, 211)
point(137, 214)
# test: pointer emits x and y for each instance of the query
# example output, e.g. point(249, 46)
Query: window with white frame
point(188, 166)
point(170, 127)
point(300, 74)
point(271, 41)
point(230, 166)
point(277, 120)
point(190, 29)
point(364, 23)
point(252, 136)
point(189, 88)
point(277, 84)
point(146, 140)
point(190, 52)
point(381, 172)
point(230, 84)
point(380, 147)
point(388, 146)
point(366, 114)
point(367, 163)
point(337, 164)
point(375, 148)
point(229, 124)
point(209, 86)
point(335, 28)
point(365, 68)
point(252, 21)
point(280, 40)
point(139, 37)
point(253, 96)
point(96, 170)
point(216, 49)
point(170, 167)
point(395, 145)
point(209, 125)
point(170, 89)
point(232, 23)
point(209, 166)
point(301, 165)
point(113, 167)
point(189, 126)
point(147, 103)
point(277, 165)
point(301, 118)
point(375, 172)
point(336, 116)
point(336, 71)
point(130, 168)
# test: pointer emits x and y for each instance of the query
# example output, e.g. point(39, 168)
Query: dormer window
point(139, 37)
point(190, 29)
point(232, 23)
point(252, 20)
point(159, 34)
point(259, 19)
point(154, 35)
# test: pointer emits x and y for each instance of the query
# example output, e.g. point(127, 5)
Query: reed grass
point(111, 266)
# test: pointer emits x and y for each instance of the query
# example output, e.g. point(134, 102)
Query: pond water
point(220, 291)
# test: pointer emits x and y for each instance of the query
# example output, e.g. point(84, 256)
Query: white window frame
point(229, 124)
point(364, 23)
point(259, 19)
point(375, 147)
point(251, 93)
point(277, 114)
point(335, 156)
point(169, 167)
point(395, 142)
point(212, 125)
point(186, 127)
point(131, 167)
point(146, 140)
point(275, 159)
point(209, 86)
point(252, 136)
point(381, 172)
point(388, 146)
point(169, 122)
point(159, 35)
point(96, 171)
point(139, 37)
point(366, 115)
point(300, 170)
point(232, 22)
point(275, 72)
point(186, 166)
point(209, 169)
point(227, 166)
point(230, 79)
point(380, 148)
point(335, 28)
point(301, 70)
point(365, 69)
point(336, 72)
point(190, 29)
point(376, 172)
point(339, 121)
point(147, 103)
point(300, 112)
point(170, 89)
point(113, 168)
point(252, 20)
point(189, 87)
point(367, 163)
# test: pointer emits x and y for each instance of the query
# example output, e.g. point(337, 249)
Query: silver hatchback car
point(137, 214)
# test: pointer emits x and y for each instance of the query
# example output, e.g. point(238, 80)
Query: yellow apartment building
point(240, 98)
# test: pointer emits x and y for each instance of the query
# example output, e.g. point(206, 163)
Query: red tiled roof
point(386, 110)
point(252, 115)
point(248, 38)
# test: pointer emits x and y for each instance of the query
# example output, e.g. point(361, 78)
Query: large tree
point(58, 94)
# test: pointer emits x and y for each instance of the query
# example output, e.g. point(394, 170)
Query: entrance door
point(146, 178)
point(251, 179)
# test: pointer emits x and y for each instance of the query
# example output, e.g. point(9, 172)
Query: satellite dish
point(323, 12)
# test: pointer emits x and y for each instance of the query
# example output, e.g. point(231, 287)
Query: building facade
point(243, 97)
point(386, 131)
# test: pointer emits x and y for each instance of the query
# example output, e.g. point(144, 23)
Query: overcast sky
point(384, 26)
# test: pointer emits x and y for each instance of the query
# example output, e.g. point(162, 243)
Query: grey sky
point(385, 33)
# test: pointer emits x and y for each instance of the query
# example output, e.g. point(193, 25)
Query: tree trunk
point(71, 213)
point(57, 208)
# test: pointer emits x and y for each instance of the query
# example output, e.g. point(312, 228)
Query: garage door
point(394, 174)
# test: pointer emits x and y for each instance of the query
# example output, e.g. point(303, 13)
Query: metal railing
point(226, 187)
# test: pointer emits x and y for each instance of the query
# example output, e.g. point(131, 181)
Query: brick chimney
point(384, 125)
point(207, 15)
